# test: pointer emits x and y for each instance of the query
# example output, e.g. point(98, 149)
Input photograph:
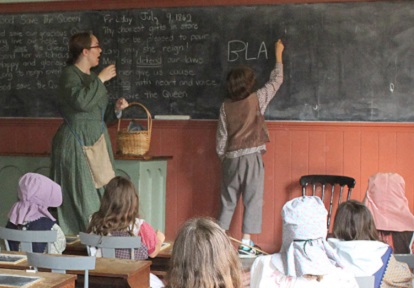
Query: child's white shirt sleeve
point(60, 244)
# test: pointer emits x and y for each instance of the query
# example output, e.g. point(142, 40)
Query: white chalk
point(172, 117)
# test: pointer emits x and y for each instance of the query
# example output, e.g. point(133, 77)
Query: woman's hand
point(121, 104)
point(107, 73)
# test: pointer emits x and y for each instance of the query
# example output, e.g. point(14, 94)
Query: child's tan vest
point(246, 127)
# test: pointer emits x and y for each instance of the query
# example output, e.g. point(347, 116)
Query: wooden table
point(76, 248)
point(107, 273)
point(47, 279)
point(159, 264)
point(113, 273)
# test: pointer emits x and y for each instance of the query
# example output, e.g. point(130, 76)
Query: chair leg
point(86, 279)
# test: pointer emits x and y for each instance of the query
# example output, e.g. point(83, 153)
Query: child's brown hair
point(240, 82)
point(77, 43)
point(353, 221)
point(118, 210)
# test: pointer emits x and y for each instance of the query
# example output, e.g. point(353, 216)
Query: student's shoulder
point(10, 225)
point(43, 223)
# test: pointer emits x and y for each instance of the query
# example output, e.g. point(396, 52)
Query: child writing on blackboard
point(118, 216)
point(241, 138)
point(36, 194)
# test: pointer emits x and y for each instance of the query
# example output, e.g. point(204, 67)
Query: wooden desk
point(161, 263)
point(113, 273)
point(76, 248)
point(107, 273)
point(48, 280)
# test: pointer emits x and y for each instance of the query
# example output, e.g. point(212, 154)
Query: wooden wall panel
point(299, 147)
point(352, 154)
point(296, 148)
point(334, 152)
point(387, 151)
point(270, 162)
point(317, 148)
point(369, 157)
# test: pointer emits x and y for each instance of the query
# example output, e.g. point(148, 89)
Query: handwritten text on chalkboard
point(342, 62)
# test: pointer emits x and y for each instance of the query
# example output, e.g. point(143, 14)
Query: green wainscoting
point(149, 175)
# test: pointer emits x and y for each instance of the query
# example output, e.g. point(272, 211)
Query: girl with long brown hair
point(118, 216)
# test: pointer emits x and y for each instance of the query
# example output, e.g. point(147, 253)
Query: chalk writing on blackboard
point(342, 61)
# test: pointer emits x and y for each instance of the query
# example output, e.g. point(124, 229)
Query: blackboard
point(342, 61)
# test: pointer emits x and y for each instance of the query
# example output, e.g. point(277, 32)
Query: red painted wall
point(296, 148)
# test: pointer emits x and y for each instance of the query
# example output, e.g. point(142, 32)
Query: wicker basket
point(134, 142)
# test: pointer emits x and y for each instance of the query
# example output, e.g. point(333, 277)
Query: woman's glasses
point(96, 46)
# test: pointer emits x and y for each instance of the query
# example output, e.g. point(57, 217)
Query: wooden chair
point(61, 263)
point(333, 181)
point(365, 281)
point(27, 238)
point(108, 244)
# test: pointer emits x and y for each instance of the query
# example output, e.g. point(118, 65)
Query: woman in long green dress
point(83, 103)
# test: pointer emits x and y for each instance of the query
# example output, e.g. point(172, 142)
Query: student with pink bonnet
point(386, 200)
point(36, 194)
point(305, 259)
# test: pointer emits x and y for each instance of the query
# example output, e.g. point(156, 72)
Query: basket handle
point(149, 118)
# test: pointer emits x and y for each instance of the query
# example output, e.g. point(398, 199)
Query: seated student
point(386, 200)
point(359, 249)
point(36, 193)
point(203, 257)
point(118, 216)
point(305, 259)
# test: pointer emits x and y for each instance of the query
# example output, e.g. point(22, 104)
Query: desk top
point(141, 158)
point(123, 268)
point(105, 267)
point(48, 280)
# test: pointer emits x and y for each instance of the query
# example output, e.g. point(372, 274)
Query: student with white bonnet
point(305, 259)
point(36, 194)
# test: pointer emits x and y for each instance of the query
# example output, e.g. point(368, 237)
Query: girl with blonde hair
point(203, 257)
